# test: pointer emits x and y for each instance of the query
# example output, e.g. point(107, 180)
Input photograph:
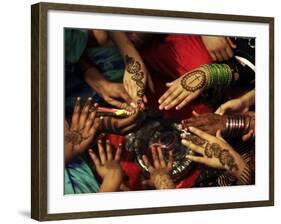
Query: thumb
point(219, 136)
point(221, 110)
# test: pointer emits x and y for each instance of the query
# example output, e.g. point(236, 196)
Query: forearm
point(249, 98)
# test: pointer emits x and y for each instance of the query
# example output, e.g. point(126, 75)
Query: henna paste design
point(73, 137)
point(216, 149)
point(134, 68)
point(208, 151)
point(194, 80)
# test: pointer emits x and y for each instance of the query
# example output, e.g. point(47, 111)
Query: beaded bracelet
point(219, 75)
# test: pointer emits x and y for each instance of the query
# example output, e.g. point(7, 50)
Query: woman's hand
point(108, 167)
point(219, 47)
point(184, 89)
point(160, 171)
point(121, 126)
point(217, 153)
point(238, 105)
point(79, 135)
point(208, 122)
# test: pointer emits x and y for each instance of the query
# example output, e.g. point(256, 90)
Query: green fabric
point(75, 42)
point(79, 178)
point(108, 60)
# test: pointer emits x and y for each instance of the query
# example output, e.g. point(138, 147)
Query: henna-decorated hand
point(80, 134)
point(217, 153)
point(220, 48)
point(160, 171)
point(184, 89)
point(121, 126)
point(108, 167)
point(208, 122)
point(135, 78)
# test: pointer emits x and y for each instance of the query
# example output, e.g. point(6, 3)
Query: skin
point(83, 124)
point(214, 162)
point(177, 96)
point(238, 105)
point(208, 122)
point(108, 166)
point(121, 126)
point(128, 49)
point(160, 170)
point(220, 48)
point(113, 93)
point(241, 105)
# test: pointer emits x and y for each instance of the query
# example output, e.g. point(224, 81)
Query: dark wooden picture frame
point(39, 106)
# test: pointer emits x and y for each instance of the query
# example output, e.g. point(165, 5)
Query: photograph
point(148, 111)
point(141, 111)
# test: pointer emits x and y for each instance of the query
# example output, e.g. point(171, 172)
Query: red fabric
point(168, 59)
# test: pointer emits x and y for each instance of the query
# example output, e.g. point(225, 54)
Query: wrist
point(162, 181)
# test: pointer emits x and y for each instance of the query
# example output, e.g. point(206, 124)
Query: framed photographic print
point(138, 111)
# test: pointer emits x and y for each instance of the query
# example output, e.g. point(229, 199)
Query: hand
point(135, 79)
point(159, 174)
point(215, 152)
point(232, 106)
point(121, 126)
point(108, 167)
point(208, 122)
point(184, 89)
point(78, 137)
point(239, 105)
point(219, 47)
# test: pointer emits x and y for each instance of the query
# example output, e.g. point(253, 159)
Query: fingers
point(196, 159)
point(195, 114)
point(95, 126)
point(170, 160)
point(193, 147)
point(125, 96)
point(155, 158)
point(101, 152)
point(85, 113)
point(94, 158)
point(118, 152)
point(108, 150)
point(76, 114)
point(218, 56)
point(91, 118)
point(213, 56)
point(161, 157)
point(248, 136)
point(222, 109)
point(147, 164)
point(114, 102)
point(201, 134)
point(166, 94)
point(175, 100)
point(229, 52)
point(129, 120)
point(230, 42)
point(219, 136)
point(187, 100)
point(171, 97)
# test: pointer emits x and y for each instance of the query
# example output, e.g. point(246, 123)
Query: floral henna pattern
point(73, 137)
point(134, 68)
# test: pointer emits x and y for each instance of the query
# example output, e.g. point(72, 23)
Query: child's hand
point(108, 167)
point(215, 152)
point(80, 134)
point(184, 89)
point(159, 172)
